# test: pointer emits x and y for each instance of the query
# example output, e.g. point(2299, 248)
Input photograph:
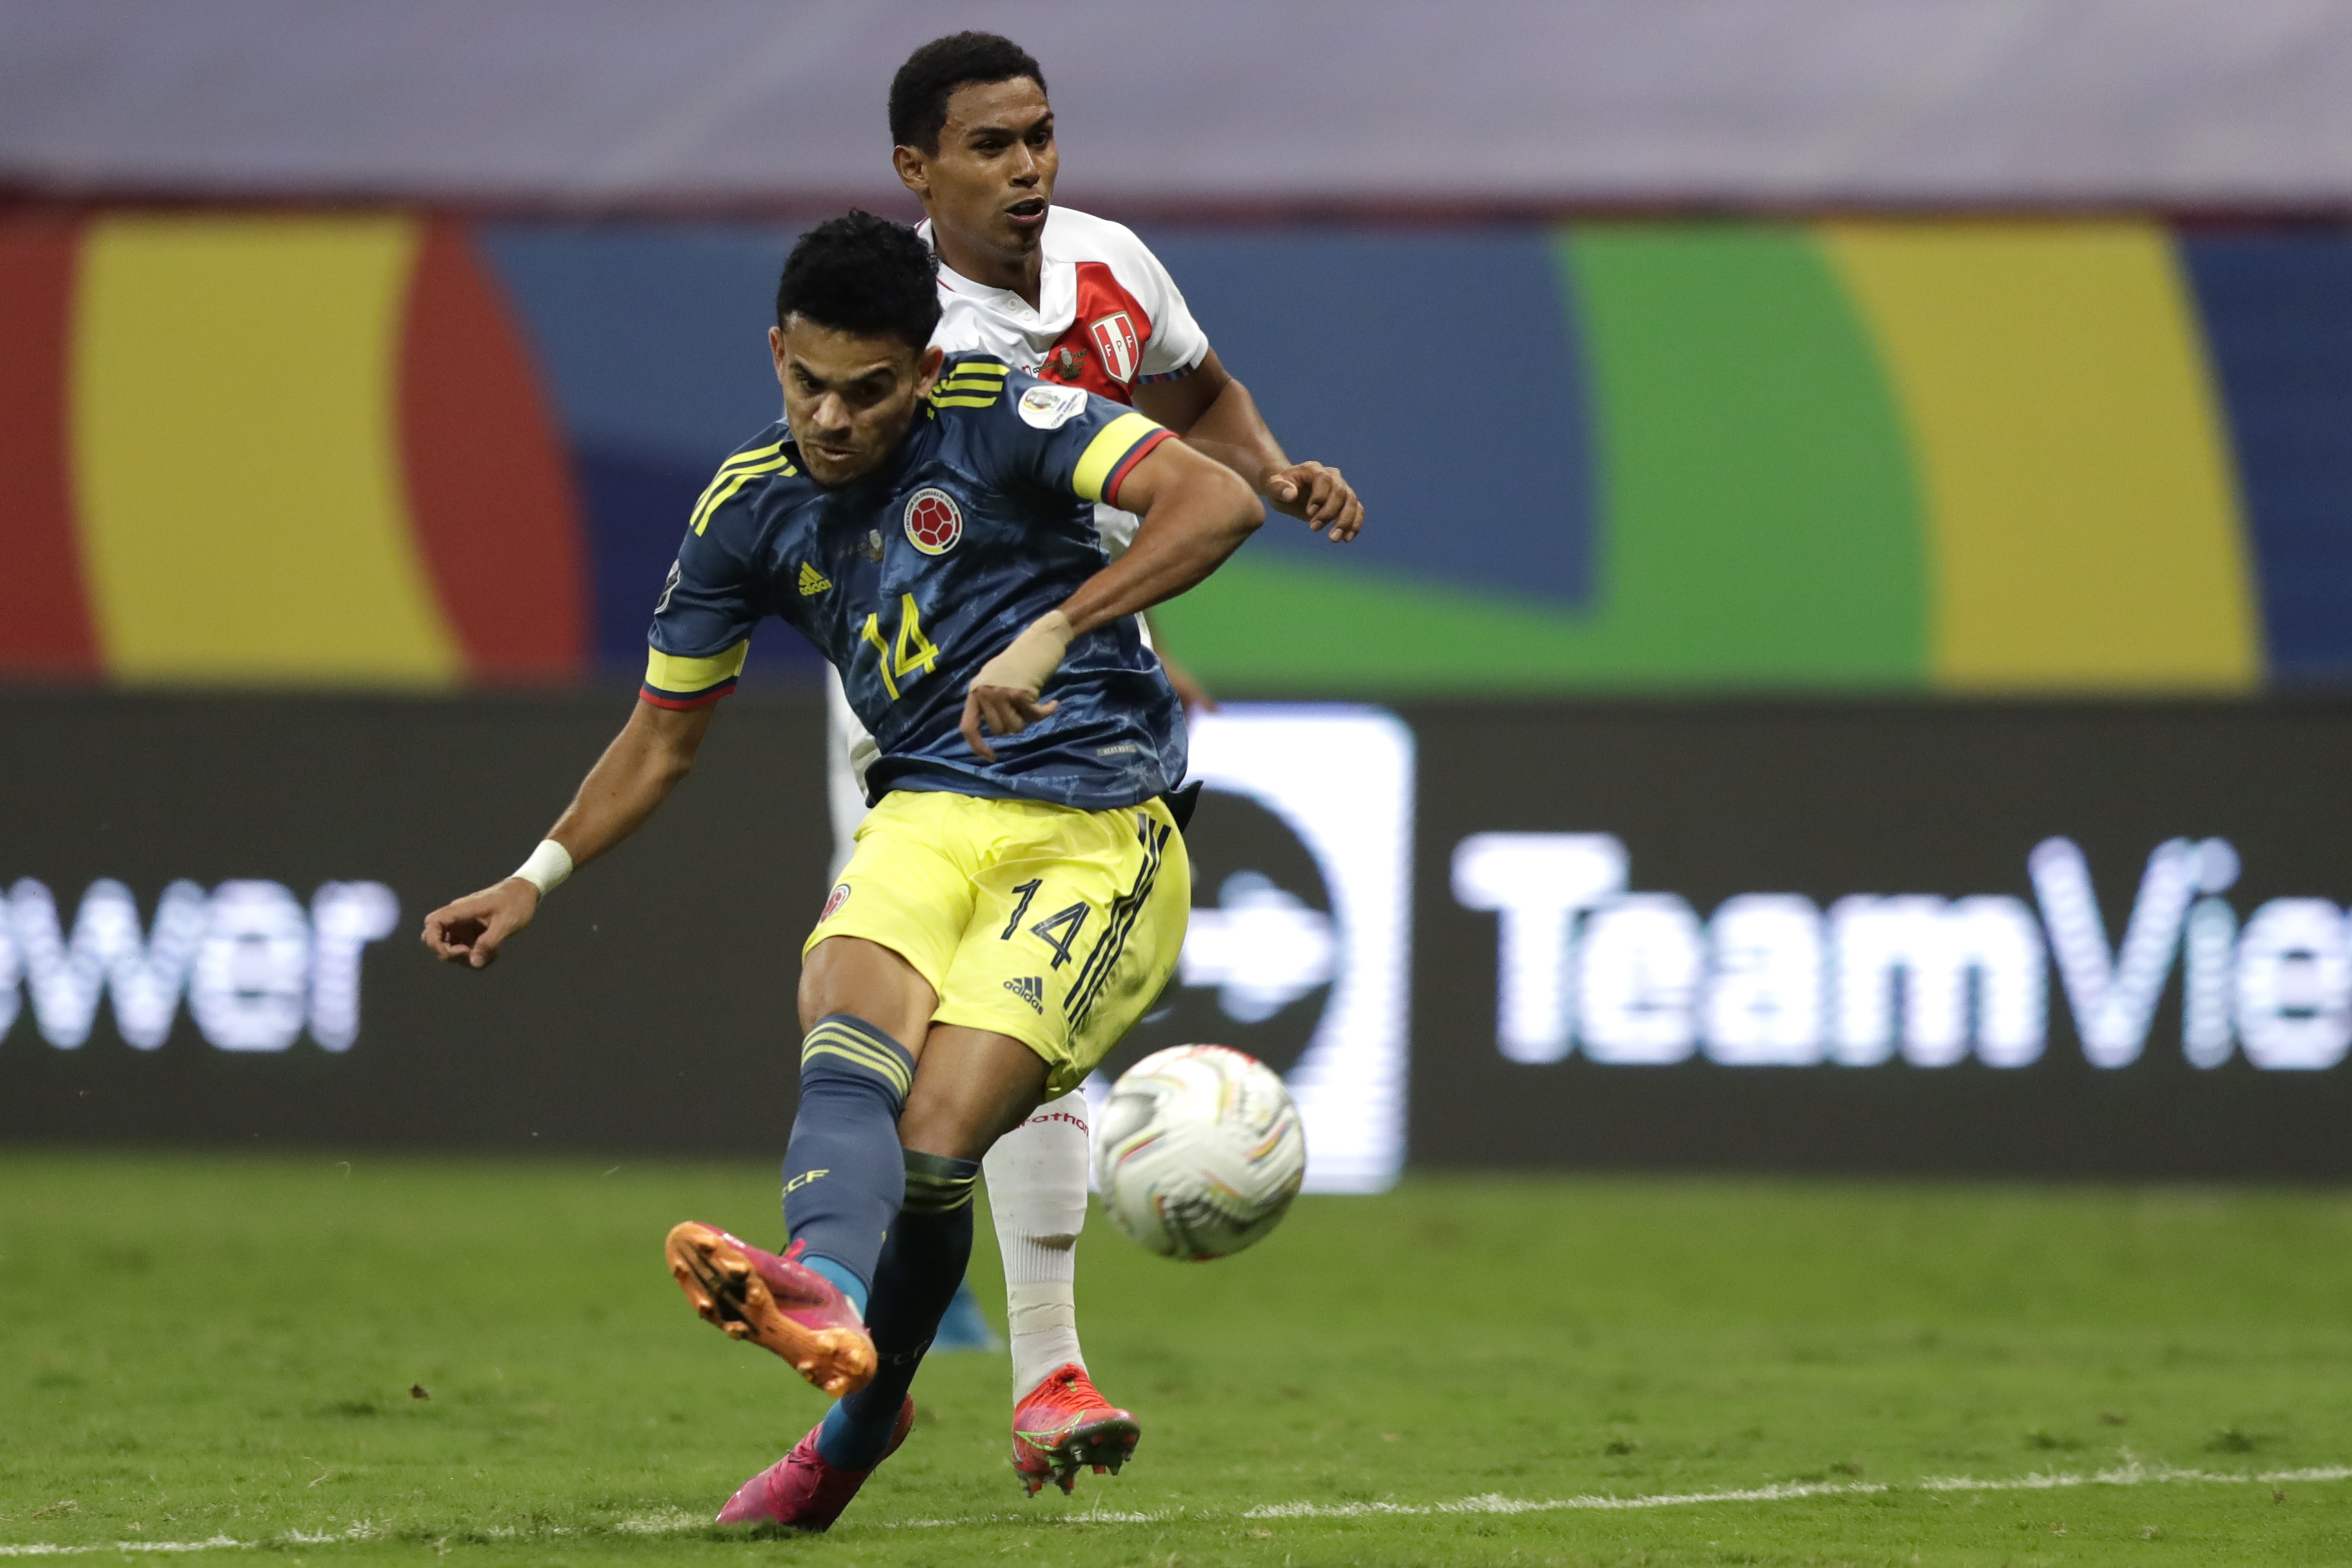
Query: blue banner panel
point(1440, 370)
point(2278, 323)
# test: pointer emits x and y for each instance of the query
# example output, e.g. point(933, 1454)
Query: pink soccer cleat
point(801, 1490)
point(775, 1303)
point(1064, 1423)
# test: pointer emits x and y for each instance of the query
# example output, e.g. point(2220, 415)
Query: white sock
point(1037, 1191)
point(845, 782)
point(1044, 1323)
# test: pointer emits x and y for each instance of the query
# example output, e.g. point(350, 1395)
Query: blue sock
point(843, 1175)
point(920, 1266)
point(849, 1284)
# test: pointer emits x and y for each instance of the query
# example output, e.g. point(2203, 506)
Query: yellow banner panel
point(236, 458)
point(2082, 511)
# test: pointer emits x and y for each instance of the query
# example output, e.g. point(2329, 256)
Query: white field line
point(2130, 1475)
point(671, 1522)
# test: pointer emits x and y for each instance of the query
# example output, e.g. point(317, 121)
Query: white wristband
point(548, 866)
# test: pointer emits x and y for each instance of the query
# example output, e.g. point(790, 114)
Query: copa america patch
point(833, 900)
point(934, 522)
point(1051, 407)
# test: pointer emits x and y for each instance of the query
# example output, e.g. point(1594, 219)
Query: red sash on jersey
point(1103, 350)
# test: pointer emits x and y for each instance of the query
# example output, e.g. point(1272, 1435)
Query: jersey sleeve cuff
point(680, 701)
point(672, 682)
point(1177, 373)
point(1112, 455)
point(1135, 455)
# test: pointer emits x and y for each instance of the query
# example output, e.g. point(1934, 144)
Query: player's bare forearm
point(1217, 417)
point(653, 752)
point(1195, 513)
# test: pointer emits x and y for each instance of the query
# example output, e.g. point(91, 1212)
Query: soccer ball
point(1199, 1152)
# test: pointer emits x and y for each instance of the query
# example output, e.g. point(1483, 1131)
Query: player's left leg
point(844, 1174)
point(970, 1087)
point(869, 979)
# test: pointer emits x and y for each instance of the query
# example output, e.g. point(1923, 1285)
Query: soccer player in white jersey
point(1079, 300)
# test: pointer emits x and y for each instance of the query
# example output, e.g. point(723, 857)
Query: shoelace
point(1074, 1390)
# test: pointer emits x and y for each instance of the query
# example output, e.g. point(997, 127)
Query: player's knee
point(852, 975)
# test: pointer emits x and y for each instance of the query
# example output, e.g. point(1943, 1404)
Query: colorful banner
point(2035, 457)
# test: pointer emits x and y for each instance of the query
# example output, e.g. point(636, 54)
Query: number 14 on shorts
point(1056, 931)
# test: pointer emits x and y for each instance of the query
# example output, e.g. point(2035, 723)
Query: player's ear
point(914, 169)
point(776, 351)
point(927, 370)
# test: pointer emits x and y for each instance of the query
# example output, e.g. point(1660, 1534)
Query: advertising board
point(2098, 940)
point(2016, 938)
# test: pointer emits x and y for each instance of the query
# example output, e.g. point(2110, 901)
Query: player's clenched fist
point(470, 931)
point(1319, 496)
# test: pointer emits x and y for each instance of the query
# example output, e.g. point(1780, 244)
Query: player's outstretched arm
point(1195, 513)
point(1217, 416)
point(645, 761)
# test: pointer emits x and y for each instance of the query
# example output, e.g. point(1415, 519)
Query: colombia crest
point(934, 522)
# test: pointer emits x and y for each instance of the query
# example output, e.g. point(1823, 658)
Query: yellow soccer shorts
point(1054, 925)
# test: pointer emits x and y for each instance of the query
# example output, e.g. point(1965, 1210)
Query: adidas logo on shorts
point(1030, 989)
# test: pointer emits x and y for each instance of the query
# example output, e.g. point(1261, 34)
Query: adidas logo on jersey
point(812, 582)
point(1030, 989)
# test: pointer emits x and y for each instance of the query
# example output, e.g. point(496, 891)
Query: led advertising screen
point(1998, 938)
point(2028, 938)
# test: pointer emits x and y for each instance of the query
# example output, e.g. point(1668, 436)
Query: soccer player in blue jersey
point(1018, 896)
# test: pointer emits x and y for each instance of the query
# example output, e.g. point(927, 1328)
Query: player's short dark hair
point(862, 274)
point(919, 92)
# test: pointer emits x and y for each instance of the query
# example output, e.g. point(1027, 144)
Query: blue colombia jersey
point(911, 577)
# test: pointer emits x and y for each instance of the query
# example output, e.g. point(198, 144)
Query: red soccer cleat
point(801, 1490)
point(775, 1303)
point(1064, 1423)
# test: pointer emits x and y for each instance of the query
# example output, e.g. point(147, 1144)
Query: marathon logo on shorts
point(1031, 989)
point(833, 900)
point(1114, 336)
point(934, 522)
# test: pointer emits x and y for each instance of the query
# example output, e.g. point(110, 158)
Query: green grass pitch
point(224, 1349)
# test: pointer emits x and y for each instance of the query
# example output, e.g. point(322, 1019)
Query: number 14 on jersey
point(910, 653)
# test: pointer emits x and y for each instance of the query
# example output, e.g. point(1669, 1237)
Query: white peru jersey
point(1108, 317)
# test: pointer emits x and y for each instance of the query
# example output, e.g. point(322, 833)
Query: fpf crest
point(1115, 341)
